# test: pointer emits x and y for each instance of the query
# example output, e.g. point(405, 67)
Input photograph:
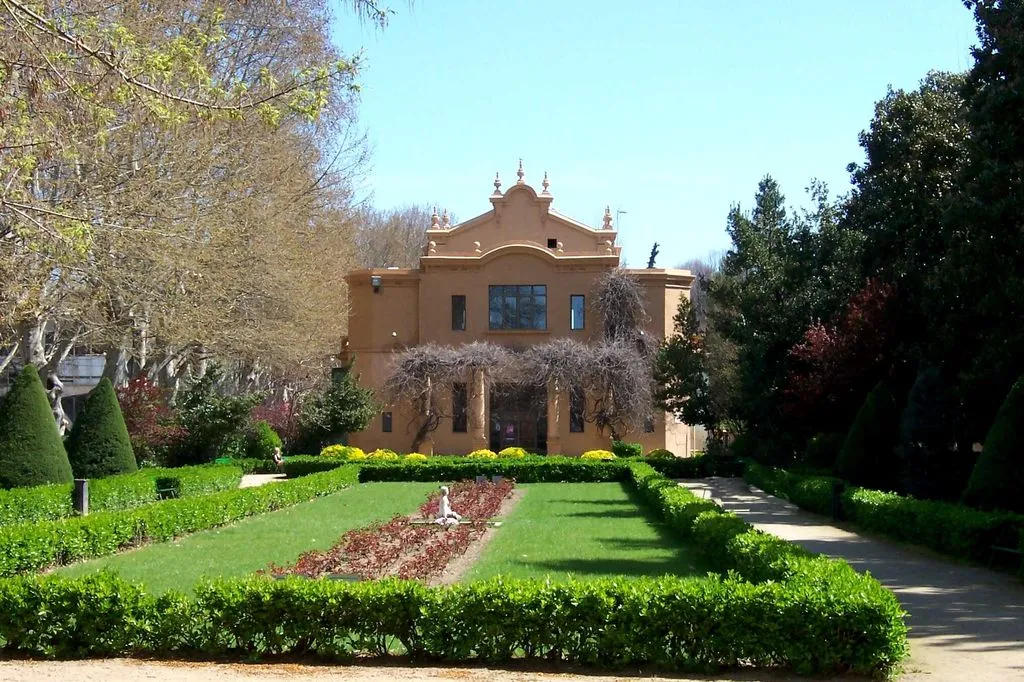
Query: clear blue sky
point(670, 110)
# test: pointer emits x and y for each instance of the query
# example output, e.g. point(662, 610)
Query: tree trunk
point(115, 365)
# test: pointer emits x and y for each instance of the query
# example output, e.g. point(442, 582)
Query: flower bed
point(404, 549)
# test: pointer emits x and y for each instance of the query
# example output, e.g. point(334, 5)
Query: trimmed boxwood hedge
point(33, 546)
point(531, 469)
point(51, 502)
point(782, 607)
point(946, 527)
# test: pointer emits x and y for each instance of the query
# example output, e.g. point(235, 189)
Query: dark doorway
point(519, 416)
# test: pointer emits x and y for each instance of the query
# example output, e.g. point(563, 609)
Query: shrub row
point(531, 469)
point(673, 623)
point(114, 493)
point(252, 465)
point(793, 610)
point(946, 527)
point(33, 546)
point(875, 641)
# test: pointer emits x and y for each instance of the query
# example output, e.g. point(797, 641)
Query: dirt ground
point(128, 669)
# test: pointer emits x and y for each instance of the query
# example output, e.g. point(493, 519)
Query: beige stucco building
point(516, 275)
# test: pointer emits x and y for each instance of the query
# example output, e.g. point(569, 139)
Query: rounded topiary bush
point(823, 449)
point(599, 454)
point(31, 451)
point(866, 457)
point(621, 448)
point(383, 453)
point(262, 441)
point(995, 482)
point(415, 457)
point(99, 444)
point(514, 452)
point(661, 453)
point(482, 454)
point(343, 451)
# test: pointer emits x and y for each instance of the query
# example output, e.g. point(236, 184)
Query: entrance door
point(519, 417)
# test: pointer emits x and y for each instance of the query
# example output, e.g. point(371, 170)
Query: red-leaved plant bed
point(404, 549)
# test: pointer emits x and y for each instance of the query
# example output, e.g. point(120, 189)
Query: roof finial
point(607, 217)
point(445, 223)
point(433, 219)
point(520, 173)
point(545, 184)
point(497, 185)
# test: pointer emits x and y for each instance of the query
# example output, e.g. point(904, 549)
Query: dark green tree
point(780, 274)
point(681, 371)
point(31, 451)
point(341, 408)
point(212, 419)
point(983, 277)
point(932, 466)
point(997, 481)
point(867, 456)
point(99, 444)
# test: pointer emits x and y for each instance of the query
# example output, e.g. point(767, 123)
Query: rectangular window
point(577, 403)
point(511, 306)
point(577, 309)
point(460, 408)
point(385, 422)
point(649, 424)
point(459, 313)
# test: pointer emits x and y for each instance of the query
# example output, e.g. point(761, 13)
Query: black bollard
point(80, 497)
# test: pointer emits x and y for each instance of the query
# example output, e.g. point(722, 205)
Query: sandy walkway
point(125, 669)
point(966, 622)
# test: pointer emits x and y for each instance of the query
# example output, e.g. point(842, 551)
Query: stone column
point(478, 410)
point(554, 418)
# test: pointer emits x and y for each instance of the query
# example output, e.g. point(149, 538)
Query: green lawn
point(249, 545)
point(588, 530)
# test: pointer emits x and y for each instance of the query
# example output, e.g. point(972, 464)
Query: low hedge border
point(532, 469)
point(875, 632)
point(114, 493)
point(778, 607)
point(672, 623)
point(38, 545)
point(945, 527)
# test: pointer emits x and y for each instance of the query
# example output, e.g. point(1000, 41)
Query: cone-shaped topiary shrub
point(867, 457)
point(997, 481)
point(99, 444)
point(31, 451)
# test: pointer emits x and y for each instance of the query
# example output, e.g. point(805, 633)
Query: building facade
point(517, 275)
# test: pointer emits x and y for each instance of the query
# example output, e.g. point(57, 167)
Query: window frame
point(460, 413)
point(386, 422)
point(459, 325)
point(511, 300)
point(577, 409)
point(572, 311)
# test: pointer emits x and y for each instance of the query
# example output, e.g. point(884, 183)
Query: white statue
point(446, 516)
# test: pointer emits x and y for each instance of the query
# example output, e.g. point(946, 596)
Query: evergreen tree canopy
point(31, 451)
point(867, 457)
point(99, 445)
point(998, 477)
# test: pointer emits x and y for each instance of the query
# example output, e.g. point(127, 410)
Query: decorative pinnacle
point(607, 217)
point(497, 185)
point(445, 223)
point(520, 173)
point(433, 219)
point(545, 184)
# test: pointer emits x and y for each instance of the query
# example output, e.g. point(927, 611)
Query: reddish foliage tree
point(281, 416)
point(834, 366)
point(152, 422)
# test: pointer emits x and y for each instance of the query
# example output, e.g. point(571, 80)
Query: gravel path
point(125, 669)
point(256, 480)
point(966, 622)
